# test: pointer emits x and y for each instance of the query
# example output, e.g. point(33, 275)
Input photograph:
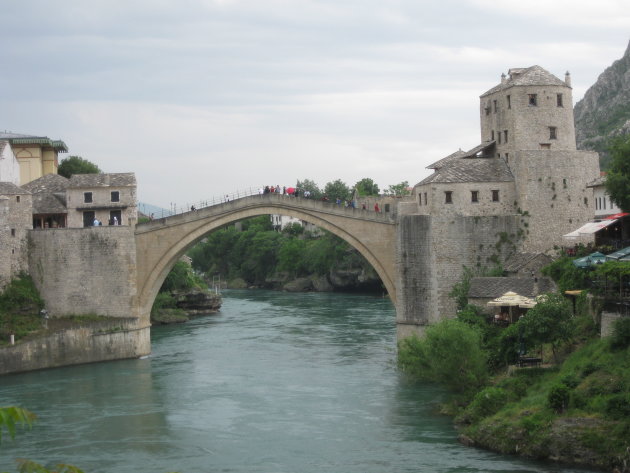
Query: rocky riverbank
point(191, 303)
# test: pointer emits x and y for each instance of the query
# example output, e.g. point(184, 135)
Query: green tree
point(337, 190)
point(308, 185)
point(449, 354)
point(547, 322)
point(181, 278)
point(399, 190)
point(77, 165)
point(618, 177)
point(366, 187)
point(290, 256)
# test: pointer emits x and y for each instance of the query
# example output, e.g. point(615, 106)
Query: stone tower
point(520, 190)
point(529, 117)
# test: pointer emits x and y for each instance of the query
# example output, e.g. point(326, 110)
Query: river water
point(275, 382)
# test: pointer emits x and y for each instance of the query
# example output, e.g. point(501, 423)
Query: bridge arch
point(160, 243)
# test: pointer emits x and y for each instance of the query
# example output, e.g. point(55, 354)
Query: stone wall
point(85, 270)
point(116, 340)
point(551, 188)
point(16, 220)
point(431, 255)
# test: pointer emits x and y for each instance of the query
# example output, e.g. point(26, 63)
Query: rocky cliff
point(604, 112)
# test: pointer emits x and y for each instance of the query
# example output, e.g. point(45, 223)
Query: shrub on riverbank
point(20, 304)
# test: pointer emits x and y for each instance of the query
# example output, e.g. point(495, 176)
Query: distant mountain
point(604, 112)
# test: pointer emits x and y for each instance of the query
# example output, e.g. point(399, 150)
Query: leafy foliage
point(558, 397)
point(20, 304)
point(77, 165)
point(548, 322)
point(567, 275)
point(308, 185)
point(337, 190)
point(366, 187)
point(398, 190)
point(618, 177)
point(181, 278)
point(449, 354)
point(620, 338)
point(12, 416)
point(254, 254)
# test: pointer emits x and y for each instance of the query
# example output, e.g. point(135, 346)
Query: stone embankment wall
point(85, 270)
point(81, 271)
point(113, 340)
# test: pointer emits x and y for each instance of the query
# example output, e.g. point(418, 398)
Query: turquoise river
point(275, 382)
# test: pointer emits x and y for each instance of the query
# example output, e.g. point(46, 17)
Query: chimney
point(567, 78)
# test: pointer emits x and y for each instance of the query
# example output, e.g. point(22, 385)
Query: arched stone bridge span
point(160, 243)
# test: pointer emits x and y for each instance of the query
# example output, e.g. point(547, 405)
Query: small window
point(553, 133)
point(425, 198)
point(507, 157)
point(494, 106)
point(13, 232)
point(505, 135)
point(495, 196)
point(474, 196)
point(87, 197)
point(509, 102)
point(545, 146)
point(533, 100)
point(604, 199)
point(492, 135)
point(559, 100)
point(487, 109)
point(448, 197)
point(115, 196)
point(499, 133)
point(17, 198)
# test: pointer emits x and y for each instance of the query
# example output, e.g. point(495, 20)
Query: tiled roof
point(449, 158)
point(519, 260)
point(471, 170)
point(49, 203)
point(48, 184)
point(8, 188)
point(493, 287)
point(534, 75)
point(126, 179)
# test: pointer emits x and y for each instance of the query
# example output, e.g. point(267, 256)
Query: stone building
point(36, 155)
point(110, 198)
point(15, 221)
point(49, 201)
point(520, 190)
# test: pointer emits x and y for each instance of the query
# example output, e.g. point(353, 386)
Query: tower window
point(505, 135)
point(492, 135)
point(425, 198)
point(494, 104)
point(533, 99)
point(448, 197)
point(474, 196)
point(499, 133)
point(13, 232)
point(87, 197)
point(495, 195)
point(17, 198)
point(553, 133)
point(487, 109)
point(559, 100)
point(509, 102)
point(115, 196)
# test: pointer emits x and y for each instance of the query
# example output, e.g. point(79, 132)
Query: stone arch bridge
point(160, 243)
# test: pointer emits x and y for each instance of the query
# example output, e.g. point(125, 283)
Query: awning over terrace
point(589, 228)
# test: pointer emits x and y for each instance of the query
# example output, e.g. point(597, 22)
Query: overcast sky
point(203, 97)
